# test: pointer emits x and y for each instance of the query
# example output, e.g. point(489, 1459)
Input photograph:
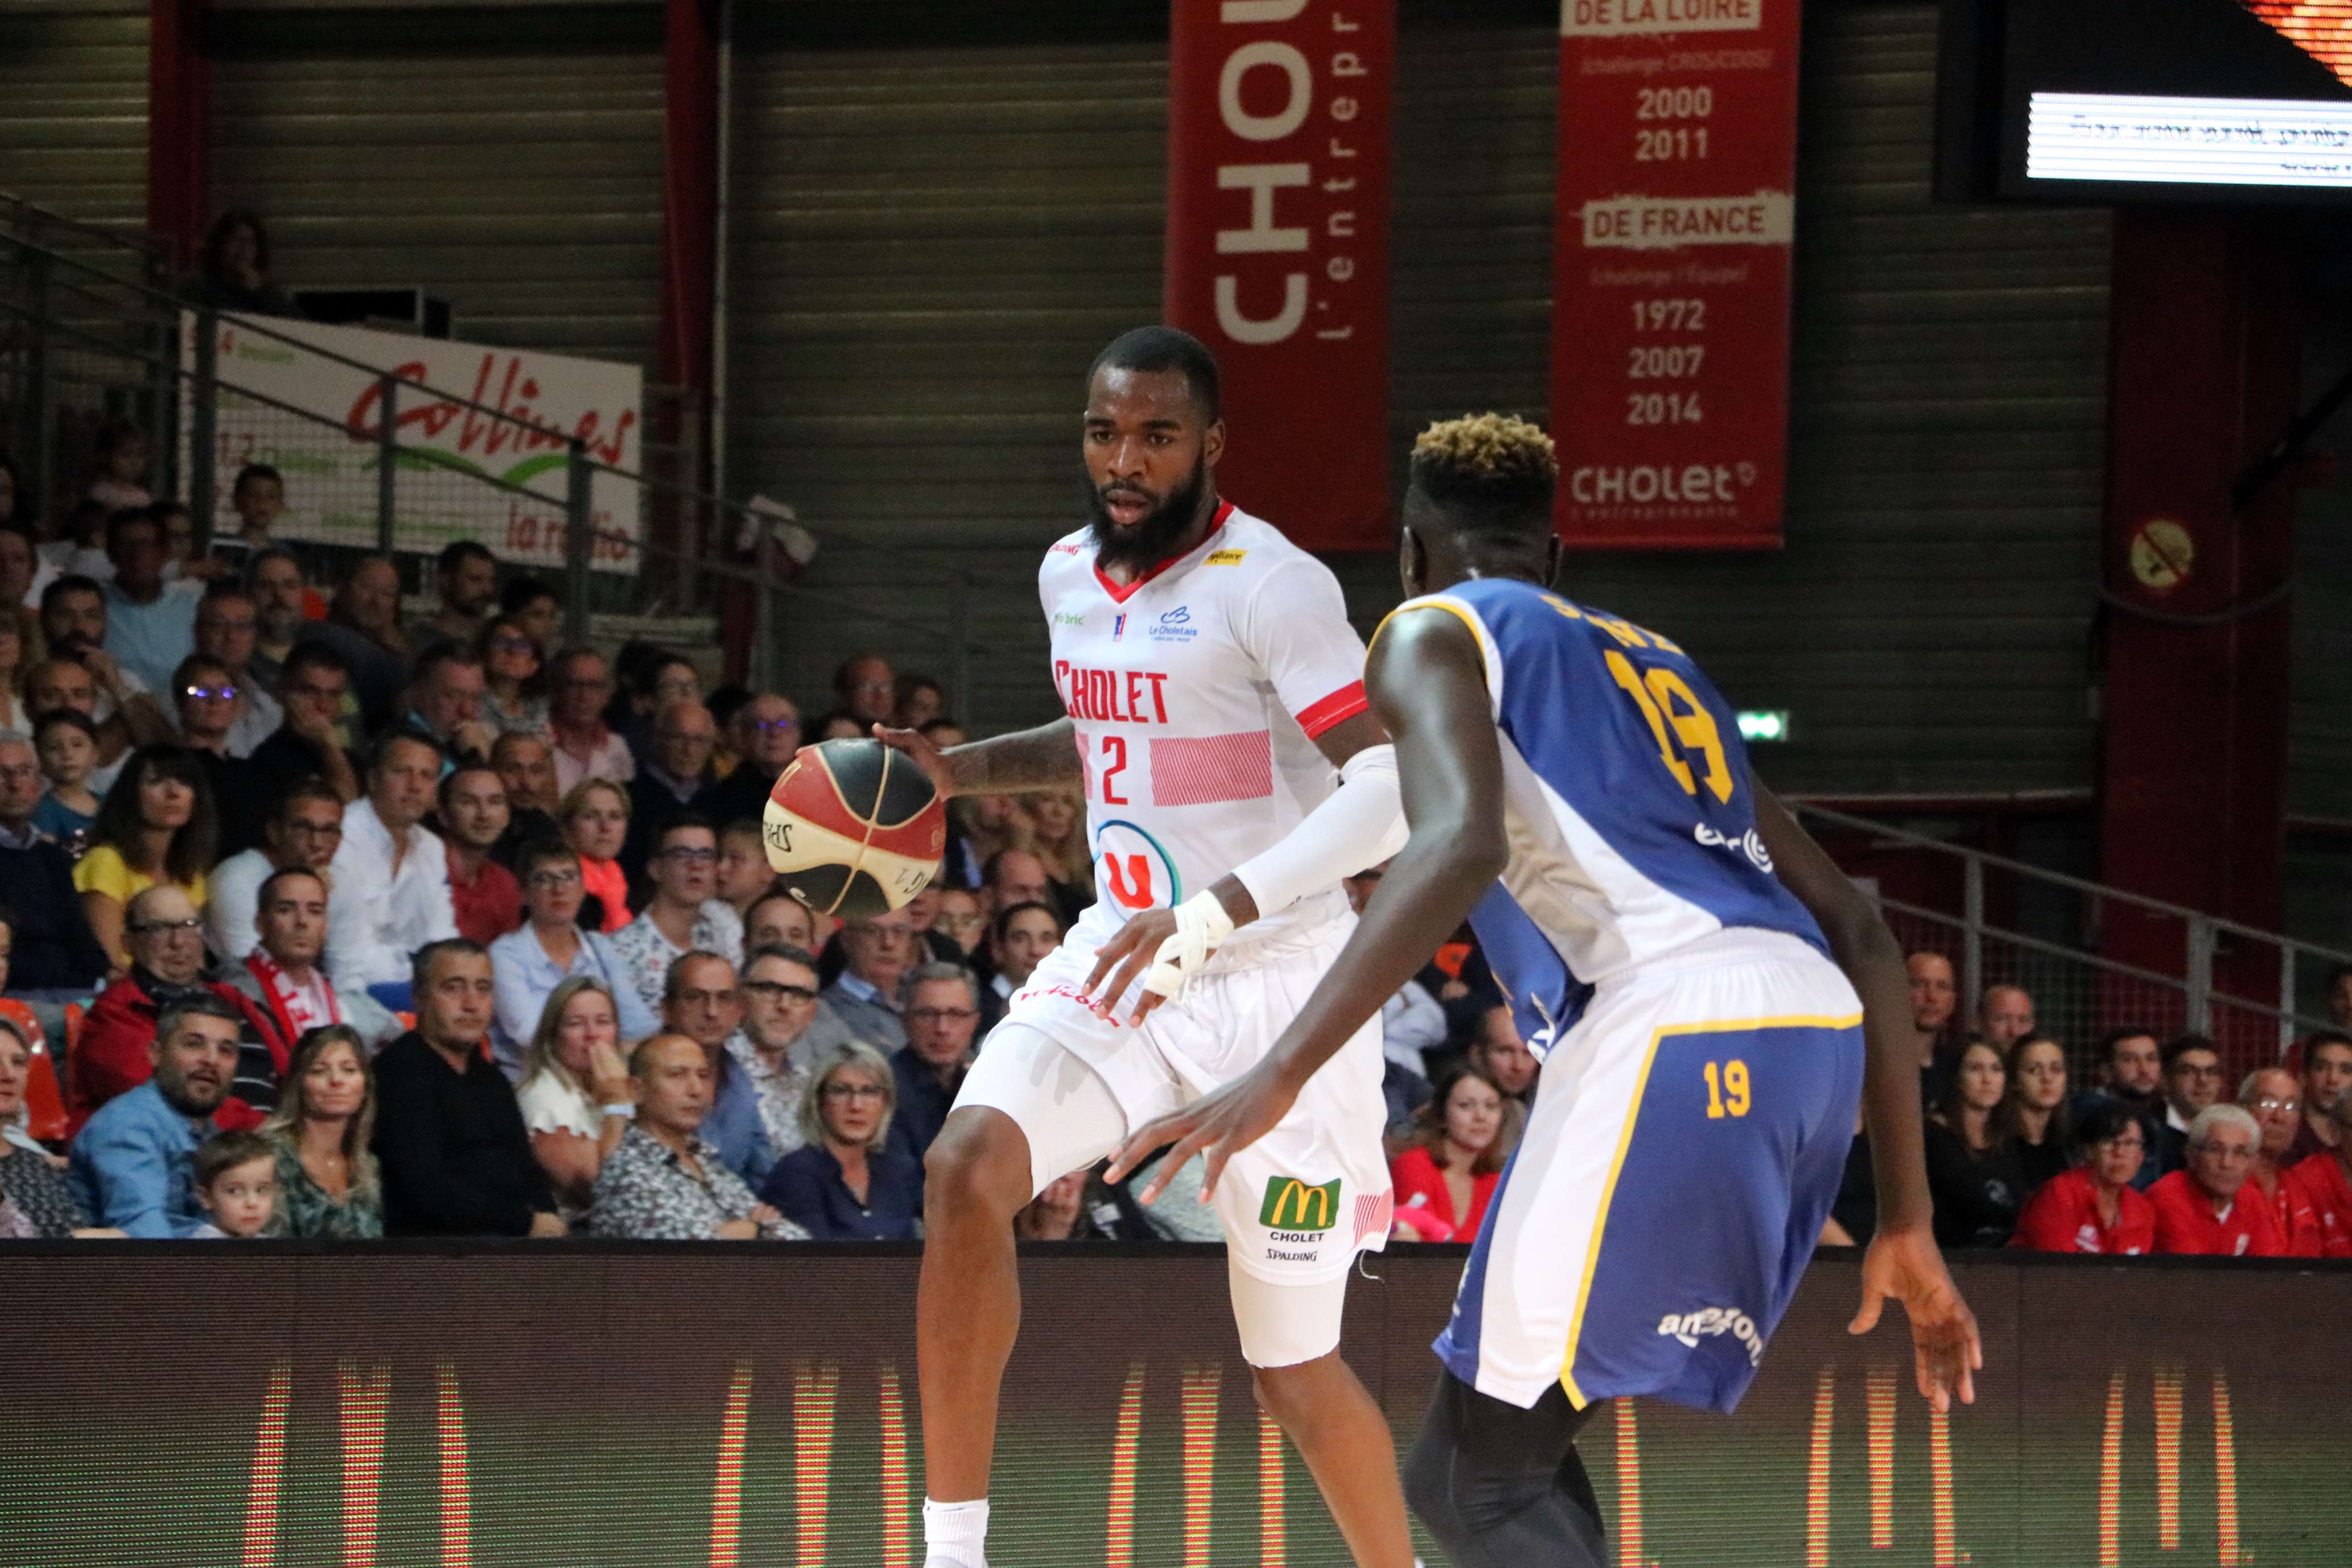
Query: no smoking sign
point(2163, 556)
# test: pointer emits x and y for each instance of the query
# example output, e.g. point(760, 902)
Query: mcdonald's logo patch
point(1291, 1205)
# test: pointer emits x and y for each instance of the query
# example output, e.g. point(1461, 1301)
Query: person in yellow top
point(155, 825)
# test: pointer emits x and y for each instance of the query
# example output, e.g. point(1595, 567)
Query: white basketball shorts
point(1298, 1205)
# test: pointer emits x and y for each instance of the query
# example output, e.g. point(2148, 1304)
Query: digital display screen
point(2140, 100)
point(562, 1404)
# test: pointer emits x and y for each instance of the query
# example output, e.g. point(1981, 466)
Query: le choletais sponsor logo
point(1174, 626)
point(1708, 1322)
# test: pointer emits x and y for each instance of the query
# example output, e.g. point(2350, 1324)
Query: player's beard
point(1150, 538)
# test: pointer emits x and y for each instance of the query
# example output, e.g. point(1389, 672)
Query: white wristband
point(621, 1108)
point(1201, 924)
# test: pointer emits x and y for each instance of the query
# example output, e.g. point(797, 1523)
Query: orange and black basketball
point(855, 829)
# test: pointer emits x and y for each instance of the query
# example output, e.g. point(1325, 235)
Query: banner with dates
point(1670, 305)
point(1278, 249)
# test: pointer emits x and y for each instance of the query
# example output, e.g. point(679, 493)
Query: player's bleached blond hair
point(1491, 471)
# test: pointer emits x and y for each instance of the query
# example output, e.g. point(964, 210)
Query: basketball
point(855, 829)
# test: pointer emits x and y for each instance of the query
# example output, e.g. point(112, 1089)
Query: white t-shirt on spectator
point(551, 1105)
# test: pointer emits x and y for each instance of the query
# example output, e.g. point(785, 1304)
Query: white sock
point(955, 1534)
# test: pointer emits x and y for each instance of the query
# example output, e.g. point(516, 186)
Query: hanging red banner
point(1670, 295)
point(1278, 249)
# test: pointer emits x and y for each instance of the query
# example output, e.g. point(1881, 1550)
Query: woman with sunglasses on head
point(846, 1183)
point(514, 699)
point(549, 949)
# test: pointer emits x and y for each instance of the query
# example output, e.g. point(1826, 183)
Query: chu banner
point(327, 453)
point(1278, 249)
point(1670, 302)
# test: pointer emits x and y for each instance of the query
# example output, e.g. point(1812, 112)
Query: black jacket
point(55, 948)
point(456, 1159)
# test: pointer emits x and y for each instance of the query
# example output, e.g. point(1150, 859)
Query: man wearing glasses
point(227, 630)
point(942, 1015)
point(701, 1001)
point(685, 914)
point(865, 688)
point(584, 747)
point(765, 731)
point(204, 697)
point(785, 1030)
point(313, 685)
point(302, 834)
point(166, 937)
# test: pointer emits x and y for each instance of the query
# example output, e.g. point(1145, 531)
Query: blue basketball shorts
point(1687, 1139)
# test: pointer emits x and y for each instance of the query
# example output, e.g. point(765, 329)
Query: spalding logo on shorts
point(854, 828)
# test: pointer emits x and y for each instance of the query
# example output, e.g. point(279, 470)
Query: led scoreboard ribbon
point(1670, 296)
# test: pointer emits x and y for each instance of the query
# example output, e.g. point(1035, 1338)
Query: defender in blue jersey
point(1708, 994)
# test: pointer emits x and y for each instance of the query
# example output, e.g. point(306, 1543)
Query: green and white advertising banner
point(483, 438)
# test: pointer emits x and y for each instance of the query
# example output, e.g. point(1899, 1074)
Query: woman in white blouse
point(575, 1094)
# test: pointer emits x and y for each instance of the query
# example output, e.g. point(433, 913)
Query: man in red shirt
point(484, 893)
point(2212, 1208)
point(2325, 1179)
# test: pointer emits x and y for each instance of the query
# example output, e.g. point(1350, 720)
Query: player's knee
point(977, 1168)
point(1287, 1393)
point(1428, 1478)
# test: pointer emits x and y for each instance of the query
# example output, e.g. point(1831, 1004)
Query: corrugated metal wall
point(513, 166)
point(932, 241)
point(932, 235)
point(73, 110)
point(928, 245)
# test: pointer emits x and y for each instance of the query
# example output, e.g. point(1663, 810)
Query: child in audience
point(67, 743)
point(236, 1184)
point(122, 458)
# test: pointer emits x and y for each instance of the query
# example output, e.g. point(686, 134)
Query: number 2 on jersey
point(1727, 1089)
point(1114, 746)
point(1678, 721)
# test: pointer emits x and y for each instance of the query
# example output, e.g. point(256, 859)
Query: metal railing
point(92, 328)
point(2253, 991)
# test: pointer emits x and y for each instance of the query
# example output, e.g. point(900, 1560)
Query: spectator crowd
point(322, 919)
point(2159, 1154)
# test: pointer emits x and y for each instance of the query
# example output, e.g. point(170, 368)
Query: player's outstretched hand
point(928, 756)
point(1221, 1124)
point(1906, 1266)
point(1131, 950)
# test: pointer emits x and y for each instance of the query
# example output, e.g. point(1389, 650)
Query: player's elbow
point(1474, 850)
point(1857, 934)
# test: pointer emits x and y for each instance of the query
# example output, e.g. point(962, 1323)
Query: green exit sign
point(1762, 725)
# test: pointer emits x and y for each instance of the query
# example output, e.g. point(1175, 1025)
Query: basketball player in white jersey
point(1217, 726)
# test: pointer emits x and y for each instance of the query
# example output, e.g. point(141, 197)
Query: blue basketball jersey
point(1627, 800)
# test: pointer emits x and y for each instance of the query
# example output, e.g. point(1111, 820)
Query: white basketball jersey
point(1197, 691)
